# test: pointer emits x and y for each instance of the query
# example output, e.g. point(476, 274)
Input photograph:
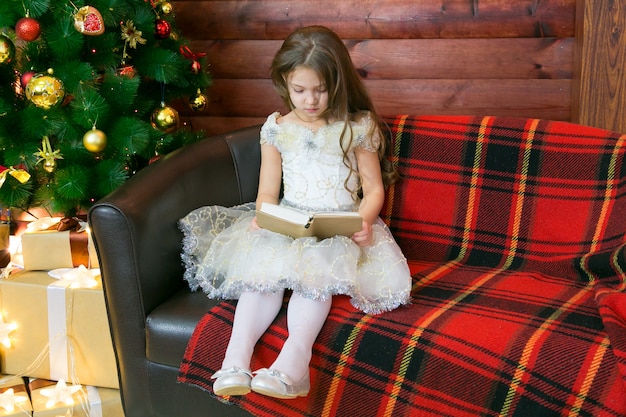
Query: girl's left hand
point(365, 237)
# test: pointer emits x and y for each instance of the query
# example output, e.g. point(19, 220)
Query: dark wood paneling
point(533, 98)
point(497, 57)
point(522, 58)
point(382, 19)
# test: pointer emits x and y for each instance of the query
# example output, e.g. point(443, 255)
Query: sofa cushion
point(474, 342)
point(170, 326)
point(506, 192)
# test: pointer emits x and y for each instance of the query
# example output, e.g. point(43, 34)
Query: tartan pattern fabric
point(514, 230)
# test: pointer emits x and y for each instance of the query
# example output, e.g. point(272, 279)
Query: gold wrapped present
point(62, 327)
point(14, 399)
point(54, 242)
point(5, 255)
point(52, 398)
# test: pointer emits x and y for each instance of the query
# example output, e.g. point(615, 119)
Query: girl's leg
point(305, 318)
point(253, 315)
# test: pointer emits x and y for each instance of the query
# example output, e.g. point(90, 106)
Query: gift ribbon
point(19, 174)
point(61, 352)
point(57, 330)
point(95, 402)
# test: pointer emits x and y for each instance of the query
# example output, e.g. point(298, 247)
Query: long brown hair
point(321, 50)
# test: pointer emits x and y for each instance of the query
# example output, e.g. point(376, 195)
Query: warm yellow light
point(8, 400)
point(5, 331)
point(61, 393)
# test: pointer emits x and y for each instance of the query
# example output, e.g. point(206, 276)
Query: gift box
point(15, 400)
point(52, 399)
point(62, 332)
point(5, 255)
point(54, 242)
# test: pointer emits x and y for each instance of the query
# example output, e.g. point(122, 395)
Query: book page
point(286, 213)
point(297, 223)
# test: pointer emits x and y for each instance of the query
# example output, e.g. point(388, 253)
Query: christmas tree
point(86, 93)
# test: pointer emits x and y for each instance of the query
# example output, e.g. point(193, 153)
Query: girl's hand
point(254, 225)
point(365, 237)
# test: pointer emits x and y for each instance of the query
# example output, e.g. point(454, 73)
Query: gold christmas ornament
point(165, 119)
point(7, 50)
point(165, 7)
point(198, 102)
point(50, 166)
point(44, 90)
point(47, 155)
point(95, 140)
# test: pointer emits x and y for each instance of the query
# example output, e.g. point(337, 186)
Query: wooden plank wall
point(497, 57)
point(599, 93)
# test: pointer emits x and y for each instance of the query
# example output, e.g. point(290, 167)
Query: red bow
point(187, 53)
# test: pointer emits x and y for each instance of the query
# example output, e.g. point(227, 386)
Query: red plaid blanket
point(515, 233)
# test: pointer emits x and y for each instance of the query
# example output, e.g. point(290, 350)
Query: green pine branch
point(97, 93)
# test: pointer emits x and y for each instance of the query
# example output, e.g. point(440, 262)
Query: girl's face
point(308, 94)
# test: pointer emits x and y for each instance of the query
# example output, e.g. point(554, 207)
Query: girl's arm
point(373, 193)
point(270, 176)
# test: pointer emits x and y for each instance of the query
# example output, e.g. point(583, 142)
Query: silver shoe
point(231, 381)
point(275, 384)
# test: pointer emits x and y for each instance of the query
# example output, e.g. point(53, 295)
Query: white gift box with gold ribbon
point(61, 328)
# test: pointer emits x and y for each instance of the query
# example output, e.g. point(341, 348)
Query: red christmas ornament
point(89, 21)
point(25, 78)
point(196, 67)
point(162, 29)
point(28, 29)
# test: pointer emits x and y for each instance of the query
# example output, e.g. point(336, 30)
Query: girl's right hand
point(254, 225)
point(365, 236)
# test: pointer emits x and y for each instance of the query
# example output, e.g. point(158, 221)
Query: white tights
point(254, 314)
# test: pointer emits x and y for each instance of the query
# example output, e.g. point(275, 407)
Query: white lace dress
point(224, 256)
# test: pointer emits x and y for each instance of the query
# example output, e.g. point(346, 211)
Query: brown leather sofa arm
point(138, 242)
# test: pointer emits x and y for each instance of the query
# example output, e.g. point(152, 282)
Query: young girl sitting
point(327, 153)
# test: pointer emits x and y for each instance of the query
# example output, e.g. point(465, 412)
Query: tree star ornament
point(5, 330)
point(61, 393)
point(8, 400)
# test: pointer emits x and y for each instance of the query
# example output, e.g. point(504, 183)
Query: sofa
point(514, 229)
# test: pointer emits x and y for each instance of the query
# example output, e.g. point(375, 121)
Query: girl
point(328, 154)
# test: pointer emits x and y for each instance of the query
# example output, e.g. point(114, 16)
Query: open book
point(297, 223)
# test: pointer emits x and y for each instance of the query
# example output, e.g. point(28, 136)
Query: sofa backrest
point(506, 192)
